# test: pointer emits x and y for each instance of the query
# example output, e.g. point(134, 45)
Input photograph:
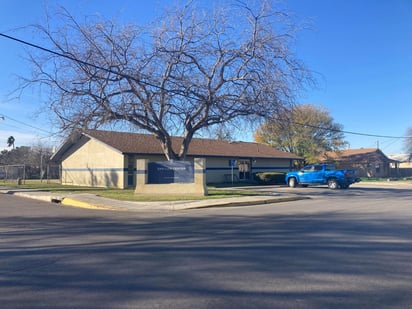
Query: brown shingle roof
point(148, 144)
point(349, 152)
point(354, 153)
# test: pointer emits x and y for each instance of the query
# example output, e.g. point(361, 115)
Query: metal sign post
point(232, 164)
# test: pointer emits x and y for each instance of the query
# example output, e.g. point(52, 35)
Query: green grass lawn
point(366, 179)
point(126, 194)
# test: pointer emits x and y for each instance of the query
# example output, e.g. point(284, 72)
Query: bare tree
point(188, 70)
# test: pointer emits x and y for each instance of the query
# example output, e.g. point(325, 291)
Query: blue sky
point(360, 51)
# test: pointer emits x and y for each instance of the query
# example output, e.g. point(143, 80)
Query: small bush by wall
point(269, 178)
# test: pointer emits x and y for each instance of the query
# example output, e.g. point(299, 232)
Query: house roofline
point(77, 135)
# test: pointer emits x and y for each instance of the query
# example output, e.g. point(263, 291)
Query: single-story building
point(108, 159)
point(369, 162)
point(404, 167)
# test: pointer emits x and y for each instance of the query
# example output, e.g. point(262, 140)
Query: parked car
point(322, 174)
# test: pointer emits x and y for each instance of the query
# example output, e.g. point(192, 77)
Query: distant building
point(108, 159)
point(369, 162)
point(404, 168)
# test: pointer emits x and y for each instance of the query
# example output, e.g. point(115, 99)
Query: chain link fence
point(22, 172)
point(12, 172)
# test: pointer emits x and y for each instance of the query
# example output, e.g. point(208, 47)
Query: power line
point(67, 56)
point(4, 117)
point(340, 131)
point(352, 132)
point(70, 57)
point(60, 54)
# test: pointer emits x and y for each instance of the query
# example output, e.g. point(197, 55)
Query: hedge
point(270, 177)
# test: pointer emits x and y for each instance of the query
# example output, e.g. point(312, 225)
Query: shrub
point(270, 178)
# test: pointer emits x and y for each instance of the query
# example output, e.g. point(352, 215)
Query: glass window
point(308, 168)
point(318, 167)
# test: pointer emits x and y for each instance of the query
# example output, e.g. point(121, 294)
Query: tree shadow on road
point(349, 259)
point(354, 191)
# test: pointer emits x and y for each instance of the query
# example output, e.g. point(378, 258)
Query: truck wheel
point(292, 182)
point(333, 184)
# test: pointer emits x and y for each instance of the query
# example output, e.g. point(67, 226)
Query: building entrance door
point(244, 169)
point(131, 168)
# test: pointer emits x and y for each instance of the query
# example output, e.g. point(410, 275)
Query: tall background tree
point(10, 141)
point(35, 158)
point(408, 142)
point(305, 130)
point(189, 70)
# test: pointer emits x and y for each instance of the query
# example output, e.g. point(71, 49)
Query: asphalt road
point(341, 249)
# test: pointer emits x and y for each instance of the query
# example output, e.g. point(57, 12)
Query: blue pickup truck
point(322, 174)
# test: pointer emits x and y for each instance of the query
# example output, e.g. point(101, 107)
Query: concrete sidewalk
point(92, 201)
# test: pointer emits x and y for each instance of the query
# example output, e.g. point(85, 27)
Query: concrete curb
point(176, 206)
point(66, 201)
point(91, 201)
point(239, 202)
point(36, 195)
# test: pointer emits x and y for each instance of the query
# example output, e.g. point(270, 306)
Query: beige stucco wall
point(91, 163)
